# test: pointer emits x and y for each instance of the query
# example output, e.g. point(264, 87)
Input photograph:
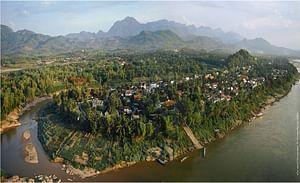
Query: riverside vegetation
point(128, 107)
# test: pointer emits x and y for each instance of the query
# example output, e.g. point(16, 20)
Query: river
point(263, 150)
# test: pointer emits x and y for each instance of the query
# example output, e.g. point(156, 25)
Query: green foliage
point(240, 58)
point(4, 174)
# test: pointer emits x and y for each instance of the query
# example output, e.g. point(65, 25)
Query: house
point(135, 116)
point(96, 102)
point(153, 85)
point(122, 62)
point(137, 97)
point(169, 103)
point(180, 93)
point(209, 76)
point(214, 85)
point(143, 86)
point(126, 99)
point(228, 97)
point(128, 93)
point(127, 110)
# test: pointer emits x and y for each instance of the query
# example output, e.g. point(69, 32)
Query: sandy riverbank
point(31, 155)
point(90, 172)
point(12, 119)
point(26, 135)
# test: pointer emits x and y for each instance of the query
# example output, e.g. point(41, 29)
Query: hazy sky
point(278, 22)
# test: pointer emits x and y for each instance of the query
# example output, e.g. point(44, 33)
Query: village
point(217, 86)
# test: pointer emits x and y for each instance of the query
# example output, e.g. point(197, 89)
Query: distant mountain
point(20, 41)
point(129, 33)
point(82, 36)
point(263, 47)
point(146, 40)
point(127, 27)
point(206, 43)
point(130, 26)
point(154, 40)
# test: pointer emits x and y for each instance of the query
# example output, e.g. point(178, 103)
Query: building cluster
point(224, 85)
point(217, 86)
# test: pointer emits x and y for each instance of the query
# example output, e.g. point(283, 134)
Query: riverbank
point(90, 172)
point(12, 119)
point(38, 178)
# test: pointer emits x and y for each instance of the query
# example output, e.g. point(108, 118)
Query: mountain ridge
point(119, 27)
point(161, 34)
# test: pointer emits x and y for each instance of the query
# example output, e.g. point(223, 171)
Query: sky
point(276, 21)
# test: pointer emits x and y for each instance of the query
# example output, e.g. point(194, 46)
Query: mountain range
point(129, 33)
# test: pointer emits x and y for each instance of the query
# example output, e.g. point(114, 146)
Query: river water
point(263, 150)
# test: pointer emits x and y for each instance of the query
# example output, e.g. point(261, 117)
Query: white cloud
point(45, 3)
point(25, 12)
point(259, 23)
point(11, 24)
point(187, 21)
point(267, 22)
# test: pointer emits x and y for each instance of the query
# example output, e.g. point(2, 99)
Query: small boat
point(163, 162)
point(260, 114)
point(204, 152)
point(183, 159)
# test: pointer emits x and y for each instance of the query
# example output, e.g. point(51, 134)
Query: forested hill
point(241, 58)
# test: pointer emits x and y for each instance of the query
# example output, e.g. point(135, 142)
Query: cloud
point(267, 22)
point(25, 12)
point(45, 3)
point(187, 21)
point(11, 24)
point(259, 23)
